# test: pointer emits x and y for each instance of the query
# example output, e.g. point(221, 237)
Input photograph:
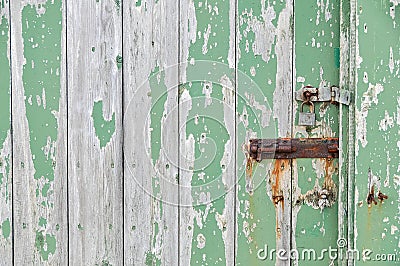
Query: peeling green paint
point(104, 263)
point(118, 4)
point(80, 227)
point(138, 3)
point(6, 228)
point(118, 59)
point(42, 222)
point(158, 98)
point(5, 100)
point(5, 82)
point(337, 57)
point(42, 88)
point(45, 189)
point(256, 221)
point(42, 50)
point(151, 259)
point(377, 128)
point(45, 244)
point(104, 129)
point(317, 33)
point(205, 122)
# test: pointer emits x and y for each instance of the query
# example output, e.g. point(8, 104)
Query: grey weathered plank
point(351, 166)
point(282, 100)
point(94, 41)
point(151, 162)
point(39, 132)
point(6, 240)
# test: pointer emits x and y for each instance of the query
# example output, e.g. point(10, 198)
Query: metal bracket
point(260, 149)
point(324, 94)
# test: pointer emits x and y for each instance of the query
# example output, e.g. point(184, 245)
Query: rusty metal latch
point(325, 94)
point(286, 148)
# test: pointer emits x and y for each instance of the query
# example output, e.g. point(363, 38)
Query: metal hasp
point(260, 149)
point(324, 94)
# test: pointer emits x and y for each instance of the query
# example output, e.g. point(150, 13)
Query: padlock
point(307, 119)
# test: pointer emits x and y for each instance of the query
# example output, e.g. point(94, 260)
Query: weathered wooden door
point(124, 125)
point(293, 215)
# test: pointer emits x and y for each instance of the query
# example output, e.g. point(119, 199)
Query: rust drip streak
point(281, 165)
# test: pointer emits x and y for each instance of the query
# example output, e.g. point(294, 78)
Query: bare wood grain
point(94, 42)
point(150, 186)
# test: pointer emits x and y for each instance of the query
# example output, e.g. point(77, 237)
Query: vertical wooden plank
point(94, 41)
point(316, 61)
point(151, 132)
point(346, 132)
point(377, 124)
point(281, 177)
point(352, 126)
point(265, 111)
point(207, 132)
point(6, 221)
point(207, 102)
point(39, 126)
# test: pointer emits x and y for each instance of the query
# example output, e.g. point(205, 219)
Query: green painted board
point(316, 49)
point(376, 226)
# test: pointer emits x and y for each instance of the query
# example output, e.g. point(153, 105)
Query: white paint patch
point(301, 79)
point(253, 71)
point(393, 8)
point(206, 36)
point(387, 180)
point(398, 111)
point(283, 91)
point(44, 98)
point(225, 221)
point(186, 175)
point(387, 122)
point(266, 112)
point(232, 32)
point(369, 97)
point(189, 31)
point(244, 118)
point(391, 60)
point(264, 30)
point(201, 241)
point(393, 229)
point(365, 78)
point(207, 90)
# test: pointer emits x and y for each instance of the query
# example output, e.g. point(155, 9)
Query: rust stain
point(374, 181)
point(325, 196)
point(281, 165)
point(249, 175)
point(249, 167)
point(277, 173)
point(371, 196)
point(382, 196)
